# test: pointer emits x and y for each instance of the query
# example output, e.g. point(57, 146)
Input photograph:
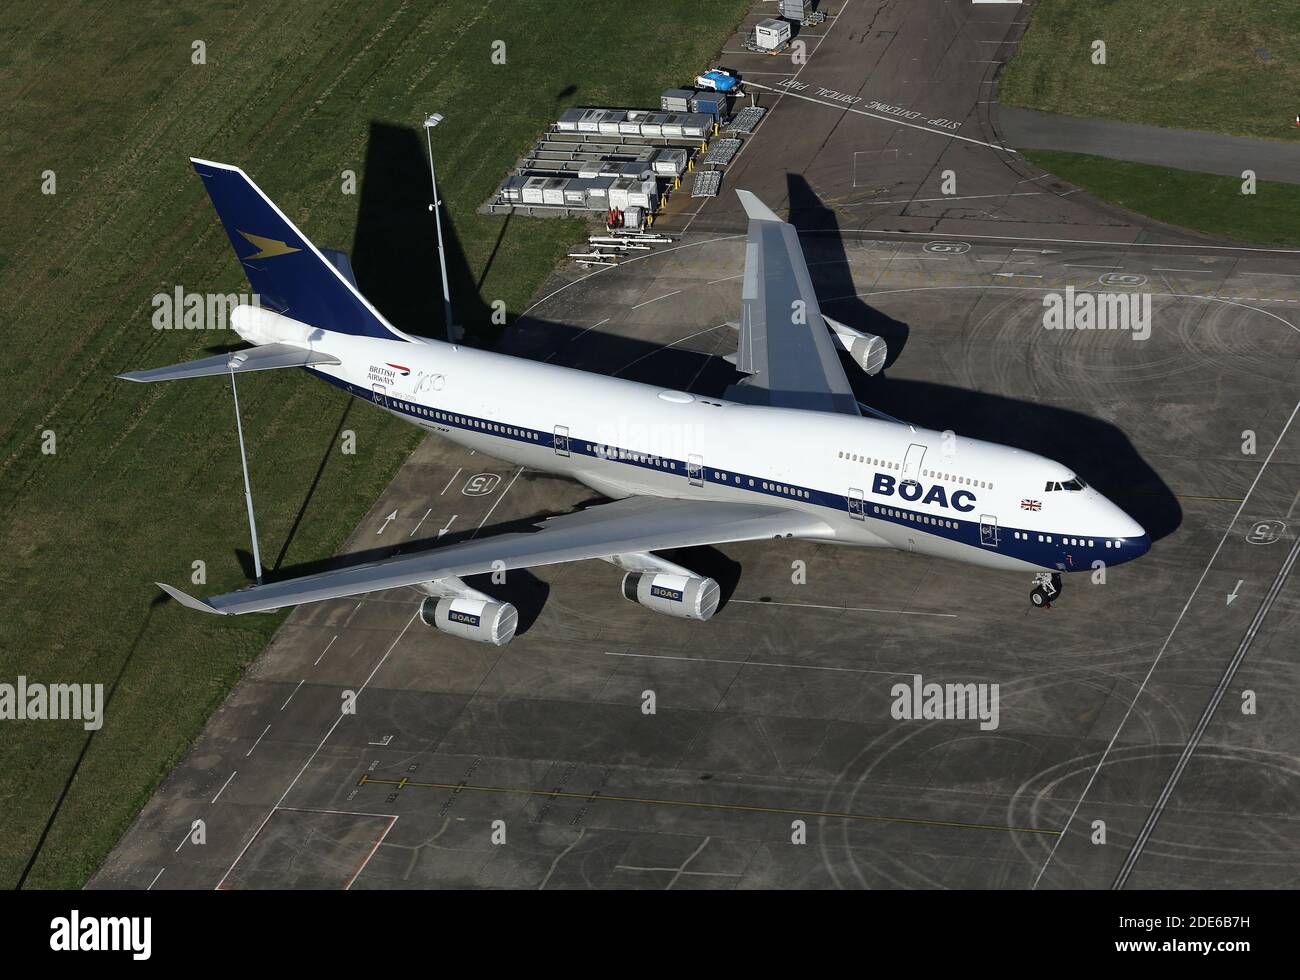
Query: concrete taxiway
point(1147, 734)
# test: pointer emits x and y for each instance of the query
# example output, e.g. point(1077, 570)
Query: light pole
point(435, 207)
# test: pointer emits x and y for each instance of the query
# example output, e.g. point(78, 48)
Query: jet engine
point(453, 607)
point(471, 619)
point(683, 596)
point(867, 350)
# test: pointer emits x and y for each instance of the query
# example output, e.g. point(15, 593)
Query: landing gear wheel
point(1047, 587)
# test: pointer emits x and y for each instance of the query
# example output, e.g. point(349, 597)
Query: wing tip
point(754, 208)
point(188, 601)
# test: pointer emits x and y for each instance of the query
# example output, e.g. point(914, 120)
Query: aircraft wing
point(785, 346)
point(629, 526)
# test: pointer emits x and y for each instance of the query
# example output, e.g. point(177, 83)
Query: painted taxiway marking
point(223, 786)
point(316, 751)
point(155, 879)
point(1163, 647)
point(366, 859)
point(758, 663)
point(422, 520)
point(290, 697)
point(876, 115)
point(326, 650)
point(500, 497)
point(447, 527)
point(599, 797)
point(1139, 845)
point(656, 299)
point(867, 609)
point(258, 742)
point(459, 469)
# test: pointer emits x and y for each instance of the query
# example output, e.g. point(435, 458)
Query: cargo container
point(653, 124)
point(590, 121)
point(676, 100)
point(772, 34)
point(512, 191)
point(532, 190)
point(553, 190)
point(670, 162)
point(710, 103)
point(610, 122)
point(697, 125)
point(643, 194)
point(569, 119)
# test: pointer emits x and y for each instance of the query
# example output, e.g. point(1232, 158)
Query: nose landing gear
point(1047, 587)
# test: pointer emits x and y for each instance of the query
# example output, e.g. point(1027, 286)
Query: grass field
point(145, 480)
point(1227, 66)
point(1203, 202)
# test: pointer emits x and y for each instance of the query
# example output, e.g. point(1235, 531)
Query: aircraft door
point(561, 440)
point(695, 470)
point(857, 510)
point(988, 531)
point(912, 462)
point(380, 395)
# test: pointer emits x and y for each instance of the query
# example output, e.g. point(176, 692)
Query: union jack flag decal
point(1031, 505)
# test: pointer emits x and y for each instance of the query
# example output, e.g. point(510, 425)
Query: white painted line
point(890, 119)
point(363, 864)
point(155, 879)
point(259, 739)
point(809, 605)
point(1072, 265)
point(656, 299)
point(316, 750)
point(714, 282)
point(497, 501)
point(930, 235)
point(1164, 646)
point(422, 519)
point(446, 527)
point(452, 480)
point(341, 813)
point(760, 663)
point(182, 843)
point(223, 786)
point(1158, 269)
point(326, 650)
point(290, 697)
point(931, 200)
point(1287, 275)
point(1139, 845)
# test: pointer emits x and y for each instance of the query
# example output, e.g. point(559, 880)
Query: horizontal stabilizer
point(265, 358)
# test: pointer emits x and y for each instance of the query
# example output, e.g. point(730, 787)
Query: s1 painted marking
point(1129, 279)
point(481, 484)
point(1265, 532)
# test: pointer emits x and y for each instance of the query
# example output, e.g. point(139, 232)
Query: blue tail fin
point(289, 274)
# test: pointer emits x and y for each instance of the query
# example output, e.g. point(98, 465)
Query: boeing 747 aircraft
point(787, 454)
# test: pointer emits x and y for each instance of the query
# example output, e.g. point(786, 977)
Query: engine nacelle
point(868, 351)
point(481, 620)
point(683, 596)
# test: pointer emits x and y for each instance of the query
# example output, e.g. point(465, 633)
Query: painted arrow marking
point(1233, 594)
point(387, 520)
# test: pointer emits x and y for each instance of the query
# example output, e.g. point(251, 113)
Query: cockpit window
point(1074, 485)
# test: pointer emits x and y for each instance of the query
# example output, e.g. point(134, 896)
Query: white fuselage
point(873, 483)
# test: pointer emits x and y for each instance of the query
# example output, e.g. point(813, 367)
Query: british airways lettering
point(886, 486)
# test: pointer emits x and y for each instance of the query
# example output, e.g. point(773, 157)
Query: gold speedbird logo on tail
point(267, 247)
